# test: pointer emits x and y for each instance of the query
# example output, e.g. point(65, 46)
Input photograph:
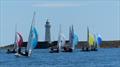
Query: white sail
point(31, 34)
point(61, 39)
point(15, 42)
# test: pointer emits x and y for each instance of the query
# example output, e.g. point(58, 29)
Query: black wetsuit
point(19, 51)
point(26, 52)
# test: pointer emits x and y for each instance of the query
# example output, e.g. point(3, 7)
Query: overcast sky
point(101, 16)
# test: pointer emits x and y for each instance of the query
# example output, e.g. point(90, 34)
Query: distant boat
point(61, 42)
point(20, 40)
point(32, 40)
point(99, 40)
point(15, 43)
point(18, 43)
point(93, 42)
point(73, 40)
point(90, 41)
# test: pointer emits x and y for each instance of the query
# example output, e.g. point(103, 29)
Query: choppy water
point(42, 58)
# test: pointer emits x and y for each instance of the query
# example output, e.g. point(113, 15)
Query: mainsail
point(61, 39)
point(73, 38)
point(91, 40)
point(33, 36)
point(99, 40)
point(95, 42)
point(75, 41)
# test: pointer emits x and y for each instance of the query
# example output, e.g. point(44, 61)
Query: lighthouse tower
point(47, 32)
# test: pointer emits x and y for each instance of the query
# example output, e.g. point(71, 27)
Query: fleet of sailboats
point(93, 42)
point(62, 46)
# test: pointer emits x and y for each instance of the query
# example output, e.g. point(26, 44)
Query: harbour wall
point(45, 45)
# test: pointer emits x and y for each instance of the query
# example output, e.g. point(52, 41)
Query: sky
point(101, 16)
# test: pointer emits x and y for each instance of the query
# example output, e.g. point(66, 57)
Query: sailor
point(19, 50)
point(26, 53)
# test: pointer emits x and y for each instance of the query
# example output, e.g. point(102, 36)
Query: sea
point(104, 57)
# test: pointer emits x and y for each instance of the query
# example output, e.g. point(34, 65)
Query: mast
point(70, 41)
point(72, 37)
point(95, 44)
point(88, 36)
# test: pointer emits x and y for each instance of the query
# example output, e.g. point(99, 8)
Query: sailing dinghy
point(32, 40)
point(73, 41)
point(18, 42)
point(60, 44)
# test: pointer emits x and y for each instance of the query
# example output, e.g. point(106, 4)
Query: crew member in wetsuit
point(24, 54)
point(19, 51)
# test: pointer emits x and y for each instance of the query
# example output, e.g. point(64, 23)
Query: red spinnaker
point(20, 41)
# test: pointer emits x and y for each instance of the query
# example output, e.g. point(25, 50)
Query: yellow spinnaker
point(91, 39)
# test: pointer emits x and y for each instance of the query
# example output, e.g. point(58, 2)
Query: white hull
point(17, 55)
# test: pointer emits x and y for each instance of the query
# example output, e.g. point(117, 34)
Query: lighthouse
point(47, 31)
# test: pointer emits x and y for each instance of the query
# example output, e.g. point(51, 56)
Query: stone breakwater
point(105, 44)
point(44, 45)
